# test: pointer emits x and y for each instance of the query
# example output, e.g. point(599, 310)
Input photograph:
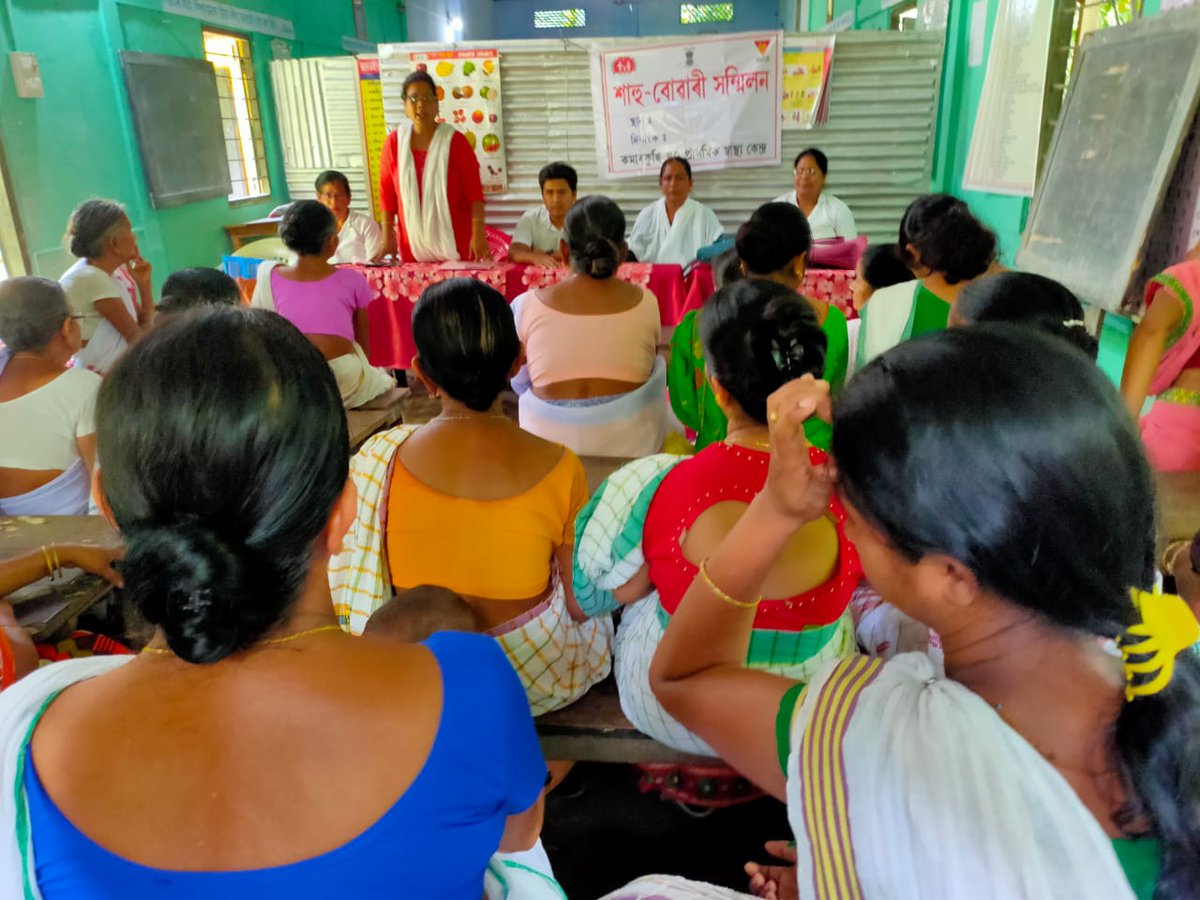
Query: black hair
point(1008, 451)
point(595, 234)
point(200, 286)
point(90, 223)
point(418, 77)
point(950, 240)
point(466, 340)
point(757, 336)
point(818, 157)
point(775, 235)
point(727, 268)
point(1023, 298)
point(223, 447)
point(882, 266)
point(687, 166)
point(32, 312)
point(306, 226)
point(560, 171)
point(333, 176)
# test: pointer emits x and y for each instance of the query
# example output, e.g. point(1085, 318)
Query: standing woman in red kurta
point(429, 182)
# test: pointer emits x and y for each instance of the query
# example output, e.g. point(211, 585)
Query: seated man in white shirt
point(358, 233)
point(538, 233)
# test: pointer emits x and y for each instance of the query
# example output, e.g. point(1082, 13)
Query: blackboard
point(1131, 101)
point(179, 129)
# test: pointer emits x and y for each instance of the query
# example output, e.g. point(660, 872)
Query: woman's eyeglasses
point(420, 99)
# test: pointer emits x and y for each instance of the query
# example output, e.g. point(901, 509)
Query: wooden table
point(1178, 504)
point(593, 729)
point(47, 614)
point(245, 232)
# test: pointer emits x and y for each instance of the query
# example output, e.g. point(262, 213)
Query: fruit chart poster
point(468, 91)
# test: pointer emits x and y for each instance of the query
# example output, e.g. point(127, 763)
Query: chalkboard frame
point(1099, 290)
point(162, 196)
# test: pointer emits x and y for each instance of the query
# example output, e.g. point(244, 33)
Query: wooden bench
point(48, 608)
point(593, 729)
point(382, 412)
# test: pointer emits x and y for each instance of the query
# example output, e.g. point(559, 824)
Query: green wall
point(77, 141)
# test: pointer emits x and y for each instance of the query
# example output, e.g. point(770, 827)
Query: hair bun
point(189, 582)
point(600, 258)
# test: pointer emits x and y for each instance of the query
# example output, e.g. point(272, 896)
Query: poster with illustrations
point(806, 66)
point(468, 91)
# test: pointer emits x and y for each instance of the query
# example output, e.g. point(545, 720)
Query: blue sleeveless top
point(434, 842)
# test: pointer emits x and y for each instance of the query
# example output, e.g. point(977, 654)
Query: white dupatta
point(20, 707)
point(427, 220)
point(886, 320)
point(904, 785)
point(654, 239)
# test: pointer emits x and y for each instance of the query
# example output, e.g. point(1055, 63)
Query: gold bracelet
point(49, 564)
point(57, 564)
point(720, 593)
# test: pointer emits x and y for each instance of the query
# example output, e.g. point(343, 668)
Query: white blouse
point(41, 427)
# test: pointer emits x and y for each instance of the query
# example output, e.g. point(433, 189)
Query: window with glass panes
point(240, 115)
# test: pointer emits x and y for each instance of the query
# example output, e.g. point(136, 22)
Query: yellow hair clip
point(1168, 627)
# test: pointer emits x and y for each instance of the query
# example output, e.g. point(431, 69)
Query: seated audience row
point(475, 504)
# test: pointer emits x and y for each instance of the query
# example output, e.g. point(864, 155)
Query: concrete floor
point(601, 833)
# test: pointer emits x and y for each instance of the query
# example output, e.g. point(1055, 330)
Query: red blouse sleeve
point(464, 168)
point(387, 175)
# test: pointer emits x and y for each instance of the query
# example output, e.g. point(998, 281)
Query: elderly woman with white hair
point(108, 287)
point(46, 409)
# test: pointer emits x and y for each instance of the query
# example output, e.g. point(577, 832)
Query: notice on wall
point(469, 99)
point(713, 101)
point(806, 67)
point(370, 95)
point(1004, 144)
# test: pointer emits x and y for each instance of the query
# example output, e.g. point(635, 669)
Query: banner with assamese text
point(713, 101)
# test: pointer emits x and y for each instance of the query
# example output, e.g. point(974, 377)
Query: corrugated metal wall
point(880, 135)
point(320, 125)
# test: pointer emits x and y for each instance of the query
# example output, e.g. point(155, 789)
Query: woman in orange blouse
point(479, 506)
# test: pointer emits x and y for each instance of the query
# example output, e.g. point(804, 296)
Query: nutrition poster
point(370, 93)
point(468, 90)
point(806, 65)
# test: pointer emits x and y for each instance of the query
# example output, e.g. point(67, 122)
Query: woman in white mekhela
point(472, 503)
point(674, 229)
point(1055, 756)
point(429, 184)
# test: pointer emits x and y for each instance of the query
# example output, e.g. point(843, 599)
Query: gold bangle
point(49, 564)
point(720, 593)
point(57, 564)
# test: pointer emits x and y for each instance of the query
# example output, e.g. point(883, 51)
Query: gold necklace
point(287, 638)
point(754, 445)
point(475, 418)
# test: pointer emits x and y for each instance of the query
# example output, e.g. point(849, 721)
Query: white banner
point(714, 101)
point(1004, 144)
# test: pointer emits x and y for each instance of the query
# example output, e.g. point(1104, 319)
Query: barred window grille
point(703, 13)
point(241, 119)
point(560, 18)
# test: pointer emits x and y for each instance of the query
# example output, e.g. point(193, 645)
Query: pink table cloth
point(397, 289)
point(831, 285)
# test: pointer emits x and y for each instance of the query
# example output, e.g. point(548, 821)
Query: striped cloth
point(556, 658)
point(358, 576)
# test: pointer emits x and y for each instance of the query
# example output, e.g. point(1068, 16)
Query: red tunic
point(463, 188)
point(720, 472)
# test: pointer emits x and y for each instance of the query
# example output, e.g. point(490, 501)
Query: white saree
point(427, 219)
point(654, 239)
